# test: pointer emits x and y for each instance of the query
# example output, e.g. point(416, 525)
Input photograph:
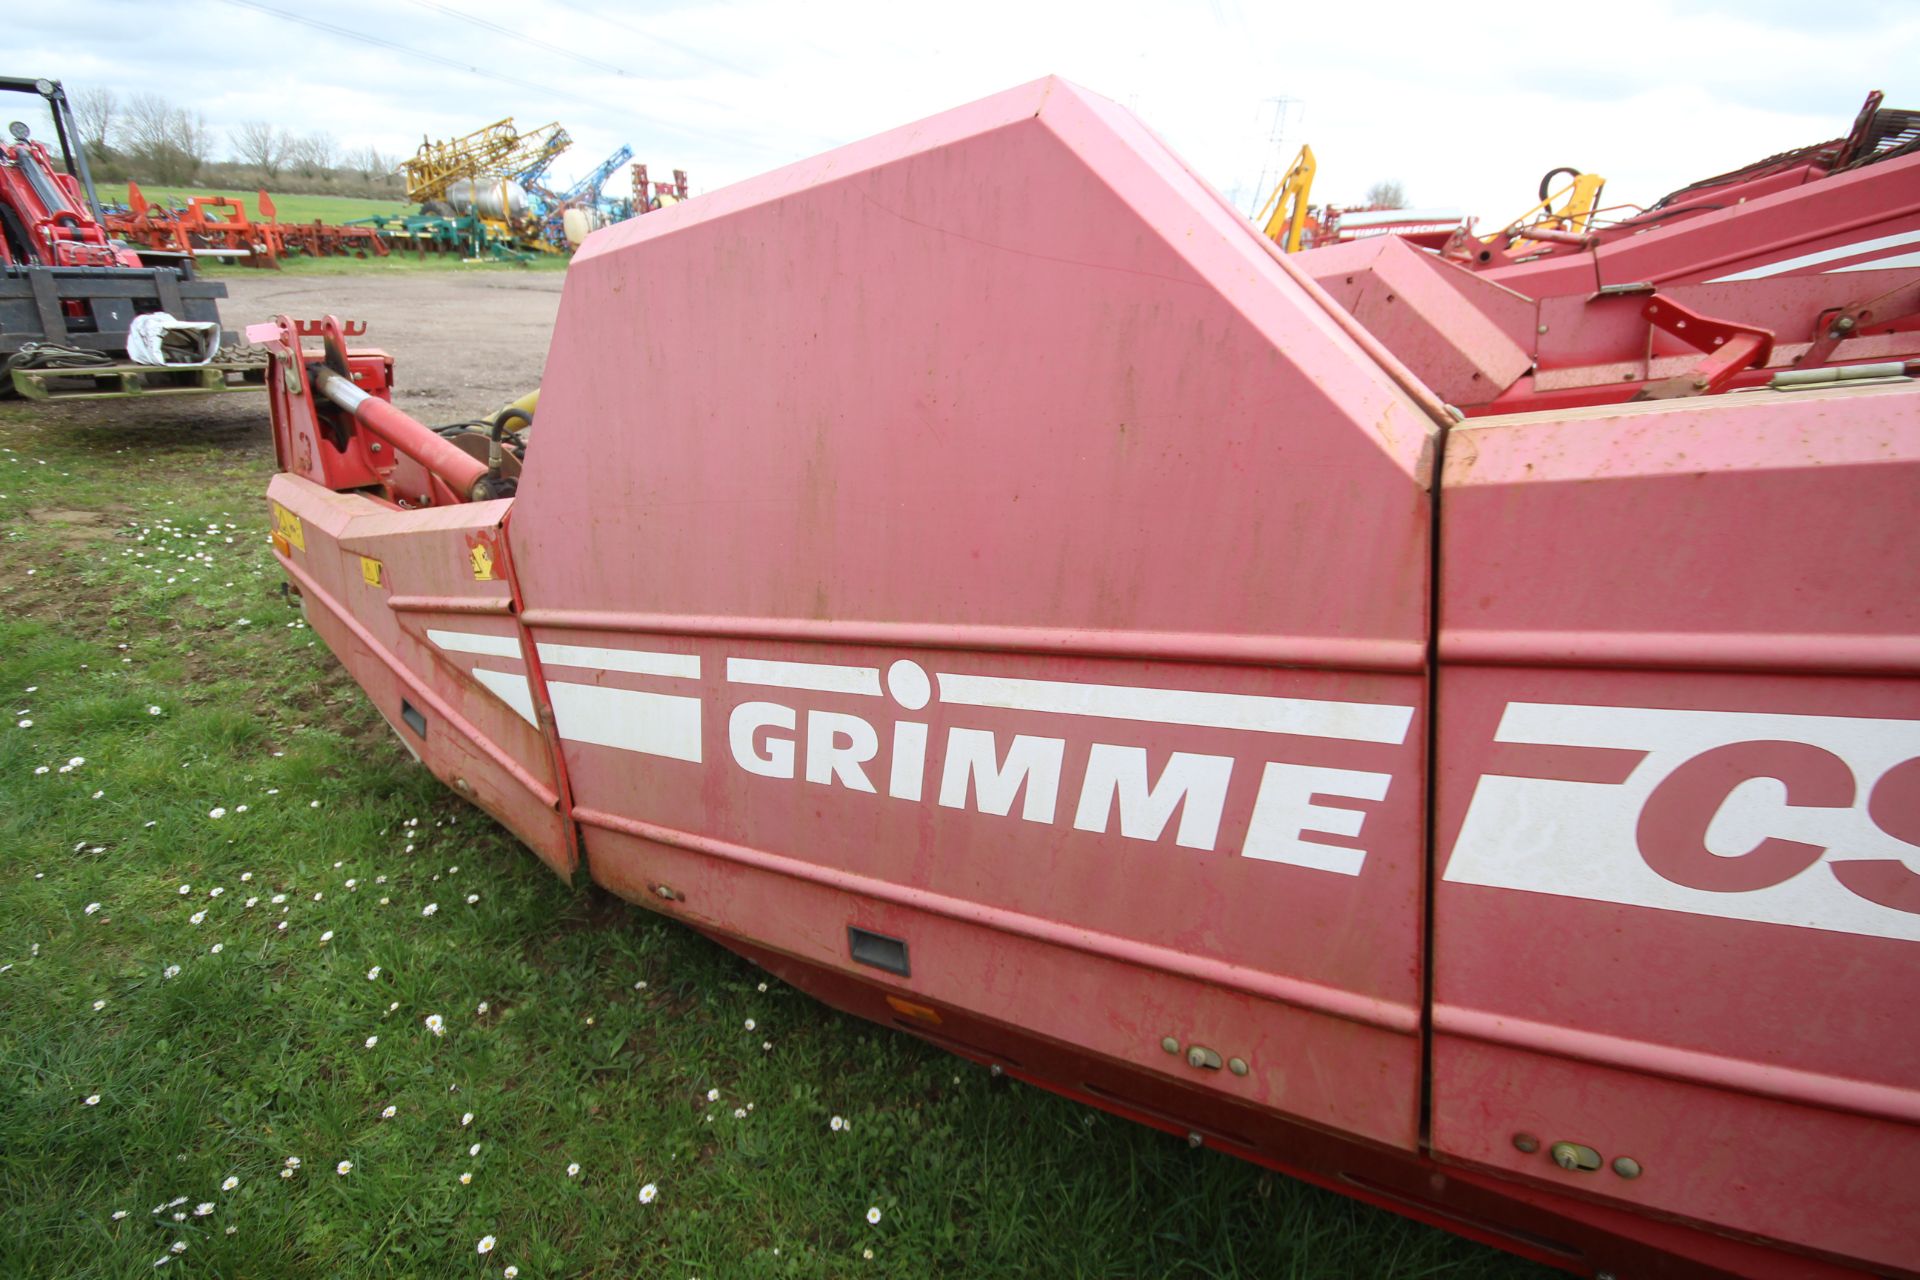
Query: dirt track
point(463, 343)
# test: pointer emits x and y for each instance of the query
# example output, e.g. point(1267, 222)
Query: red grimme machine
point(1452, 743)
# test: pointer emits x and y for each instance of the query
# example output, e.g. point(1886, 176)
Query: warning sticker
point(480, 555)
point(287, 528)
point(370, 571)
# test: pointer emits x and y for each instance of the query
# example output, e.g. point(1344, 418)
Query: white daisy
point(217, 948)
point(466, 1119)
point(436, 1024)
point(185, 889)
point(372, 1041)
point(836, 1124)
point(430, 908)
point(510, 1273)
point(573, 1171)
point(373, 974)
point(873, 1215)
point(92, 907)
point(326, 937)
point(293, 1162)
point(344, 1168)
point(472, 898)
point(474, 1150)
point(713, 1095)
point(466, 1178)
point(217, 812)
point(98, 1005)
point(171, 971)
point(202, 1209)
point(230, 1183)
point(648, 1192)
point(389, 1112)
point(481, 1008)
point(197, 917)
point(119, 1214)
point(93, 1100)
point(750, 1024)
point(486, 1244)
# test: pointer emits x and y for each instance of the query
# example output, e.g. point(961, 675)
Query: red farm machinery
point(1447, 735)
point(73, 297)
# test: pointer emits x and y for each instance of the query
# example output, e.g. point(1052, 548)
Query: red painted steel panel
point(1676, 916)
point(1088, 407)
point(438, 650)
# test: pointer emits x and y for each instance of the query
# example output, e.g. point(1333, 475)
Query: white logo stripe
point(511, 688)
point(638, 661)
point(475, 642)
point(1879, 264)
point(1814, 259)
point(819, 676)
point(655, 724)
point(1307, 717)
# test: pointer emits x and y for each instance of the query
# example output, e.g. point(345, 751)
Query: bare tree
point(314, 155)
point(97, 113)
point(369, 163)
point(167, 143)
point(1387, 195)
point(261, 145)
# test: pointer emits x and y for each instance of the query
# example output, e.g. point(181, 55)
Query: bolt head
point(1237, 1065)
point(1170, 1044)
point(1564, 1155)
point(1626, 1166)
point(1526, 1142)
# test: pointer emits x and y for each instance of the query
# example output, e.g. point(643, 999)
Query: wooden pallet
point(120, 381)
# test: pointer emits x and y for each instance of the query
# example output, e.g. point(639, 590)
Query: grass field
point(393, 264)
point(233, 905)
point(289, 208)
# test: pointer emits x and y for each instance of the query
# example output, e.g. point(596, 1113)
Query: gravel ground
point(463, 344)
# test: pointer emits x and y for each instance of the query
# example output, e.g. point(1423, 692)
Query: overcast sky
point(1465, 105)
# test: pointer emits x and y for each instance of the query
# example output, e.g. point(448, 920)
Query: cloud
point(1464, 108)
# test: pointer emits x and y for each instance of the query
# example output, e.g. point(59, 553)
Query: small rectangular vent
point(415, 721)
point(878, 950)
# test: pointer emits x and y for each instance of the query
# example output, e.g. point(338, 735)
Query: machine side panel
point(1678, 797)
point(1007, 558)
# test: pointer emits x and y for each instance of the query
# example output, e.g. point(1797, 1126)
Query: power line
point(363, 37)
point(675, 45)
point(511, 34)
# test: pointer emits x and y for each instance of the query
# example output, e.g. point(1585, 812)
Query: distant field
point(289, 208)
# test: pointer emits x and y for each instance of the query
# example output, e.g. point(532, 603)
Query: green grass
point(289, 208)
point(257, 1052)
point(396, 263)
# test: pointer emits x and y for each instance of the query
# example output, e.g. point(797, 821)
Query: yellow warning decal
point(370, 570)
point(482, 556)
point(287, 527)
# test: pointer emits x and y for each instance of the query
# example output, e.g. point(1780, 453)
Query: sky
point(1464, 106)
